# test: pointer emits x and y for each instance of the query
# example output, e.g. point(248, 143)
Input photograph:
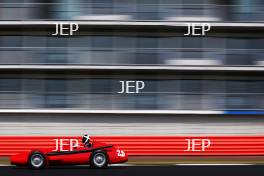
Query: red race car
point(93, 153)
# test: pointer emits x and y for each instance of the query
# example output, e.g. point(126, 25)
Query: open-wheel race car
point(93, 153)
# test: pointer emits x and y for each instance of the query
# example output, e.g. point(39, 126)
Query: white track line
point(118, 165)
point(121, 165)
point(6, 165)
point(216, 164)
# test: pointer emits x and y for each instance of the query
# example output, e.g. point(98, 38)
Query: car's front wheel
point(99, 159)
point(37, 160)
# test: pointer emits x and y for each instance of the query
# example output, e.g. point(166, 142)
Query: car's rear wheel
point(99, 159)
point(37, 160)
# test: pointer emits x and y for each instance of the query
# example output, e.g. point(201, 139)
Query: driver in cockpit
point(86, 140)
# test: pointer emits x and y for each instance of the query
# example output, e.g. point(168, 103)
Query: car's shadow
point(66, 171)
point(84, 167)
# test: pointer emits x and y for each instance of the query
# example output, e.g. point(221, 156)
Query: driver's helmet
point(86, 139)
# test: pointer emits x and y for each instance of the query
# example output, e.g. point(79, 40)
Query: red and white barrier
point(150, 145)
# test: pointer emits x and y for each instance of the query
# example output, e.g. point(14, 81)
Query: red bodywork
point(77, 156)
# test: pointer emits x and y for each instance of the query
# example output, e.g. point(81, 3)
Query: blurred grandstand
point(69, 85)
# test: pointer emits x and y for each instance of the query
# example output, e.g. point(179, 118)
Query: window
point(56, 95)
point(237, 96)
point(10, 85)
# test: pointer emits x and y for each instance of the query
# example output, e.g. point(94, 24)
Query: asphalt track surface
point(252, 170)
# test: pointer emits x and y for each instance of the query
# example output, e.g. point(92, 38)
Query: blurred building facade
point(159, 10)
point(133, 40)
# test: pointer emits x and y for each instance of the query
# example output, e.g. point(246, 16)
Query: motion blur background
point(194, 85)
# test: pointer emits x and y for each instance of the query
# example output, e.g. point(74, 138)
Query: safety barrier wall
point(149, 145)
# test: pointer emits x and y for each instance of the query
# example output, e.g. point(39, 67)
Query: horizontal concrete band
point(129, 124)
point(130, 67)
point(86, 111)
point(135, 23)
point(148, 145)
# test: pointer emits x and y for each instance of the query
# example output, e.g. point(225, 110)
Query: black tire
point(99, 159)
point(37, 160)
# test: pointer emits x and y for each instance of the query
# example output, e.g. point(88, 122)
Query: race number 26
point(120, 153)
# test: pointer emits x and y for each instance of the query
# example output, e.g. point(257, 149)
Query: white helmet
point(86, 139)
